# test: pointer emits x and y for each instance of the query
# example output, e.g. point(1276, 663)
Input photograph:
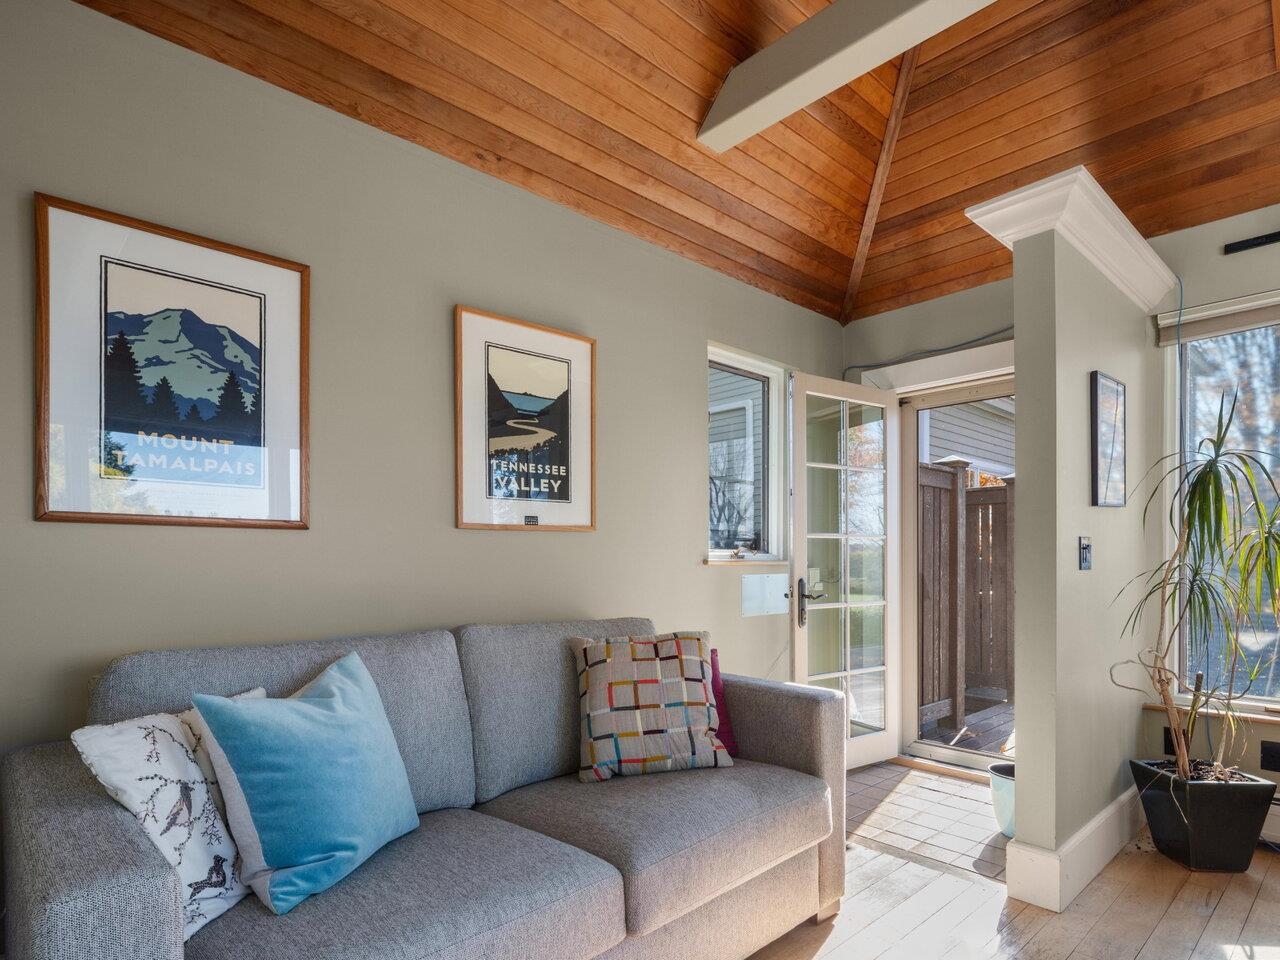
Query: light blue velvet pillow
point(314, 785)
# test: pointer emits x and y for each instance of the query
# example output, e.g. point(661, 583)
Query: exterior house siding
point(981, 433)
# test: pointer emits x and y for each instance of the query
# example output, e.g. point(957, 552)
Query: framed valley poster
point(525, 424)
point(172, 375)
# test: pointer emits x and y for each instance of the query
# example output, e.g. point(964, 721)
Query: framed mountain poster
point(525, 424)
point(172, 378)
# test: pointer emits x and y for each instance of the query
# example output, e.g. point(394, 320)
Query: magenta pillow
point(725, 733)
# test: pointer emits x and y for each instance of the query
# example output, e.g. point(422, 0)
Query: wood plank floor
point(1141, 907)
point(934, 819)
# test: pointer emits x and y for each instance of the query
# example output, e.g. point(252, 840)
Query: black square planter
point(1202, 824)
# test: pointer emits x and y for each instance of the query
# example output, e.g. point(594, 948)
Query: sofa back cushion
point(522, 686)
point(417, 674)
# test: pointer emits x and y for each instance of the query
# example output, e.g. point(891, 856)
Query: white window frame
point(774, 375)
point(1257, 706)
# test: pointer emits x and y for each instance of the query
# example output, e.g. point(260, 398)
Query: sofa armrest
point(82, 880)
point(801, 728)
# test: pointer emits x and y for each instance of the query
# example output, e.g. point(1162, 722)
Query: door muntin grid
point(846, 541)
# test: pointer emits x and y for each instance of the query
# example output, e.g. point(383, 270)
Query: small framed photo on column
point(1109, 481)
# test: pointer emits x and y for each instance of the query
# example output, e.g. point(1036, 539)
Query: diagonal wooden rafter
point(1275, 29)
point(893, 124)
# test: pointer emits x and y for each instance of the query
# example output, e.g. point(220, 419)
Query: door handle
point(803, 596)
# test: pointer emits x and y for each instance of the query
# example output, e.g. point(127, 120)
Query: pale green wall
point(1098, 727)
point(1075, 729)
point(932, 325)
point(1035, 662)
point(1207, 273)
point(99, 112)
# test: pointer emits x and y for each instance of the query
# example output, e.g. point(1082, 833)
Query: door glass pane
point(865, 446)
point(866, 503)
point(826, 646)
point(846, 497)
point(823, 575)
point(866, 571)
point(866, 637)
point(824, 500)
point(822, 416)
point(866, 703)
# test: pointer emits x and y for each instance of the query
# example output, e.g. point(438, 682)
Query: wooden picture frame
point(1108, 473)
point(89, 261)
point(549, 390)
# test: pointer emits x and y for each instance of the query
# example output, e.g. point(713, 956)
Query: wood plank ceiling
point(1174, 105)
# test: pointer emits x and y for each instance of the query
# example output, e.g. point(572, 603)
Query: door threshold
point(942, 769)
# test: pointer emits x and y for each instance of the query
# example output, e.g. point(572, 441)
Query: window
point(1247, 361)
point(742, 414)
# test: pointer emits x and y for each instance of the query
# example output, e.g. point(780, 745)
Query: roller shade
point(1216, 319)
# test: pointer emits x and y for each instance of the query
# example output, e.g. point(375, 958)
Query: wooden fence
point(966, 590)
point(988, 631)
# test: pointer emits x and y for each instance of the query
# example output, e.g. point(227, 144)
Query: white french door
point(846, 556)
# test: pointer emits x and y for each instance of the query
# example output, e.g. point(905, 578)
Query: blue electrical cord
point(930, 351)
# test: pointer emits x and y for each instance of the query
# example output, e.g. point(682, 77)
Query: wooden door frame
point(911, 403)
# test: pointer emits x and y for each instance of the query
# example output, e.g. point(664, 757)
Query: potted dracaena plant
point(1219, 584)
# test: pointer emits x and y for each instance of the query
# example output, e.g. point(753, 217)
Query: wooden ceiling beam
point(894, 123)
point(840, 42)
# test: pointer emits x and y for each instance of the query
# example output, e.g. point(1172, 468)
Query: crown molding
point(1073, 204)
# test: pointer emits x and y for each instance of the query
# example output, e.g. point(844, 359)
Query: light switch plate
point(765, 594)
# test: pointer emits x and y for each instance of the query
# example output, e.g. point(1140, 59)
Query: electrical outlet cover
point(1269, 758)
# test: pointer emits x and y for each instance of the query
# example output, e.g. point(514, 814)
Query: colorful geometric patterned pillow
point(647, 705)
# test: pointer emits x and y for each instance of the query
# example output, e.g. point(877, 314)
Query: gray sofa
point(514, 857)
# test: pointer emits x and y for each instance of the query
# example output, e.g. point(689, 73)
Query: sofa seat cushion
point(462, 885)
point(678, 839)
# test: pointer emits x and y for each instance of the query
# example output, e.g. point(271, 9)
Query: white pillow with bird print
point(159, 770)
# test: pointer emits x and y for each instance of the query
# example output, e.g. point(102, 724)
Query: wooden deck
point(987, 730)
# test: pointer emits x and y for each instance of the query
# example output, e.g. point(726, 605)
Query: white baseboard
point(1052, 878)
